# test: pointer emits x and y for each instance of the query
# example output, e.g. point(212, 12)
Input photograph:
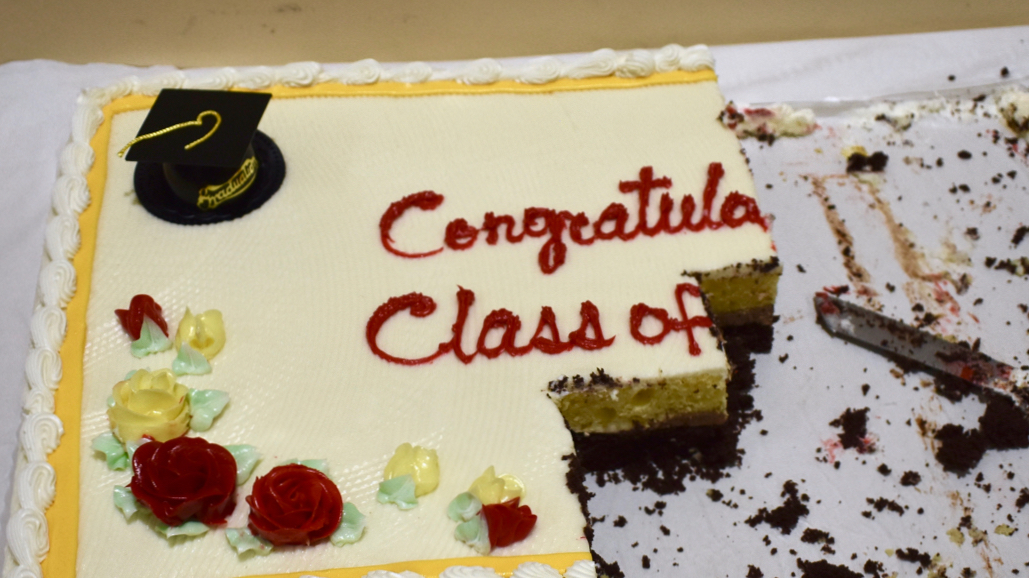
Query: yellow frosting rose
point(420, 463)
point(150, 404)
point(493, 489)
point(204, 333)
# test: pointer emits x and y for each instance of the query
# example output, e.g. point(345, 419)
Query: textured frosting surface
point(298, 280)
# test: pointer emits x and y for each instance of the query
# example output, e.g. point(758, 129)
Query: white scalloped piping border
point(28, 539)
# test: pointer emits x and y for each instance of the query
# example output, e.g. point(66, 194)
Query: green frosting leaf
point(243, 541)
point(464, 507)
point(151, 339)
point(351, 528)
point(399, 491)
point(188, 528)
point(204, 406)
point(125, 501)
point(246, 458)
point(117, 457)
point(190, 361)
point(475, 533)
point(320, 465)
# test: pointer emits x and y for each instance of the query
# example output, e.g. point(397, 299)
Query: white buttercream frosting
point(48, 326)
point(469, 572)
point(57, 283)
point(582, 569)
point(253, 322)
point(535, 570)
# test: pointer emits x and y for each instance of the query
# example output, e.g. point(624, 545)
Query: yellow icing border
point(63, 515)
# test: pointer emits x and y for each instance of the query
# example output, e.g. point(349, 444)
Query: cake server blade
point(890, 336)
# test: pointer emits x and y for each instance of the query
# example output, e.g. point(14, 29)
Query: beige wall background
point(249, 32)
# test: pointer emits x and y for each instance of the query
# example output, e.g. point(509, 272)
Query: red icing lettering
point(550, 345)
point(643, 187)
point(426, 201)
point(510, 324)
point(546, 339)
point(460, 235)
point(419, 306)
point(641, 311)
point(613, 222)
point(590, 324)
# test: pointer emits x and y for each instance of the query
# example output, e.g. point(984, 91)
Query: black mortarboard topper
point(202, 159)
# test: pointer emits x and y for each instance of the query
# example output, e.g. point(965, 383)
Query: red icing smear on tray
point(736, 210)
point(132, 318)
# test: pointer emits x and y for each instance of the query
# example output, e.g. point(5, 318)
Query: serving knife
point(892, 337)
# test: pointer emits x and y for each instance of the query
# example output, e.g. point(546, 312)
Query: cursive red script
point(641, 311)
point(546, 338)
point(557, 227)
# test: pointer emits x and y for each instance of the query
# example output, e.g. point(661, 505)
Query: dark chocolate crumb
point(881, 504)
point(785, 517)
point(646, 562)
point(855, 429)
point(884, 469)
point(620, 522)
point(611, 570)
point(959, 450)
point(913, 555)
point(823, 569)
point(801, 268)
point(865, 388)
point(813, 536)
point(910, 478)
point(1004, 72)
point(972, 233)
point(1023, 498)
point(715, 495)
point(964, 155)
point(1004, 425)
point(875, 162)
point(1020, 234)
point(754, 572)
point(876, 569)
point(665, 530)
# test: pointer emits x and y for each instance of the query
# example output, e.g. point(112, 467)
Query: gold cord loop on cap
point(198, 122)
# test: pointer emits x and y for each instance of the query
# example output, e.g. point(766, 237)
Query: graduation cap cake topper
point(201, 158)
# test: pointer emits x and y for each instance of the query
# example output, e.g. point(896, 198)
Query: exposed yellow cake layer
point(697, 399)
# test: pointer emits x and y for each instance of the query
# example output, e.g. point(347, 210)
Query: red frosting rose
point(294, 504)
point(508, 522)
point(185, 478)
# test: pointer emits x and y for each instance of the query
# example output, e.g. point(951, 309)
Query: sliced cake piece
point(687, 389)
